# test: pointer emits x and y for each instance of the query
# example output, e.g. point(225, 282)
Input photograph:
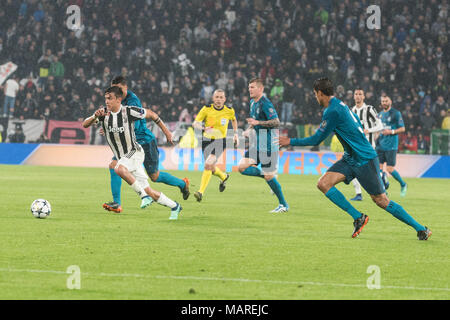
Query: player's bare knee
point(243, 166)
point(323, 185)
point(381, 200)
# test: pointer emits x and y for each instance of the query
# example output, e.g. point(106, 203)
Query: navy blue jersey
point(263, 110)
point(339, 118)
point(143, 134)
point(391, 119)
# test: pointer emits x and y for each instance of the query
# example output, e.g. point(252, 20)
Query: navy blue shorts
point(388, 156)
point(368, 175)
point(151, 161)
point(267, 159)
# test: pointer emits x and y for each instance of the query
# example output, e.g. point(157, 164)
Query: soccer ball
point(41, 208)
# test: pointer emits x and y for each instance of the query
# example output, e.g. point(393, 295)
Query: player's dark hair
point(257, 80)
point(358, 88)
point(116, 90)
point(119, 80)
point(325, 85)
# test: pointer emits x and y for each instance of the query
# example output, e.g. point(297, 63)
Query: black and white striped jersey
point(370, 121)
point(119, 130)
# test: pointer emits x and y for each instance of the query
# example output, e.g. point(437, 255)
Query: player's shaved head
point(219, 91)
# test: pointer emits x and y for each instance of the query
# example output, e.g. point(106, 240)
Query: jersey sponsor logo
point(116, 130)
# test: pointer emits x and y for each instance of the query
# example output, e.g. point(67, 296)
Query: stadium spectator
point(11, 89)
point(267, 39)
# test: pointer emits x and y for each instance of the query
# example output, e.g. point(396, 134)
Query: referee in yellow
point(213, 119)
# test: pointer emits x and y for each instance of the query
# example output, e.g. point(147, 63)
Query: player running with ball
point(118, 124)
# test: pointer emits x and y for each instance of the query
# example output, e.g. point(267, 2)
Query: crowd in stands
point(175, 53)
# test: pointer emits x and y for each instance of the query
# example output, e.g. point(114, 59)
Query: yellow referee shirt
point(216, 121)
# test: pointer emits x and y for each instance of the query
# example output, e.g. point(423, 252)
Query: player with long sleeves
point(359, 160)
point(372, 125)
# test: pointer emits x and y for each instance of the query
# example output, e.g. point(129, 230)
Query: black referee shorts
point(213, 146)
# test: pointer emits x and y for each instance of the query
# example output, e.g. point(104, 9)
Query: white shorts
point(135, 165)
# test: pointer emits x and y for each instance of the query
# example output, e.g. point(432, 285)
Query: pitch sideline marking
point(135, 275)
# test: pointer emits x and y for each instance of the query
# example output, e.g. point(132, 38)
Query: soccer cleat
point(146, 201)
point(222, 185)
point(358, 197)
point(359, 224)
point(185, 190)
point(112, 206)
point(385, 180)
point(198, 196)
point(424, 234)
point(403, 190)
point(175, 212)
point(279, 209)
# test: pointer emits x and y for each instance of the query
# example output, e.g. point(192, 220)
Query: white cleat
point(279, 209)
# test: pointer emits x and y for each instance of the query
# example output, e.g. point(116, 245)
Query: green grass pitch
point(226, 247)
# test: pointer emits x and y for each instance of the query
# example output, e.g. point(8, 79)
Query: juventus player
point(371, 125)
point(118, 124)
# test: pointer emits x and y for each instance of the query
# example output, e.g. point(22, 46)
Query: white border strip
point(131, 275)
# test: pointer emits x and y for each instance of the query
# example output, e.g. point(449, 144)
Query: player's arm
point(326, 127)
point(235, 130)
point(199, 119)
point(378, 125)
point(400, 129)
point(92, 119)
point(272, 123)
point(149, 114)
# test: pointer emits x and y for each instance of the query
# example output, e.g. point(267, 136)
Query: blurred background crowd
point(176, 53)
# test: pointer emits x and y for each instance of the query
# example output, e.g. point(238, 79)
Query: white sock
point(138, 189)
point(163, 200)
point(357, 186)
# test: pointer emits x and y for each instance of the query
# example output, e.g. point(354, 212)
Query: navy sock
point(338, 199)
point(276, 188)
point(116, 185)
point(397, 211)
point(397, 177)
point(170, 180)
point(253, 171)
